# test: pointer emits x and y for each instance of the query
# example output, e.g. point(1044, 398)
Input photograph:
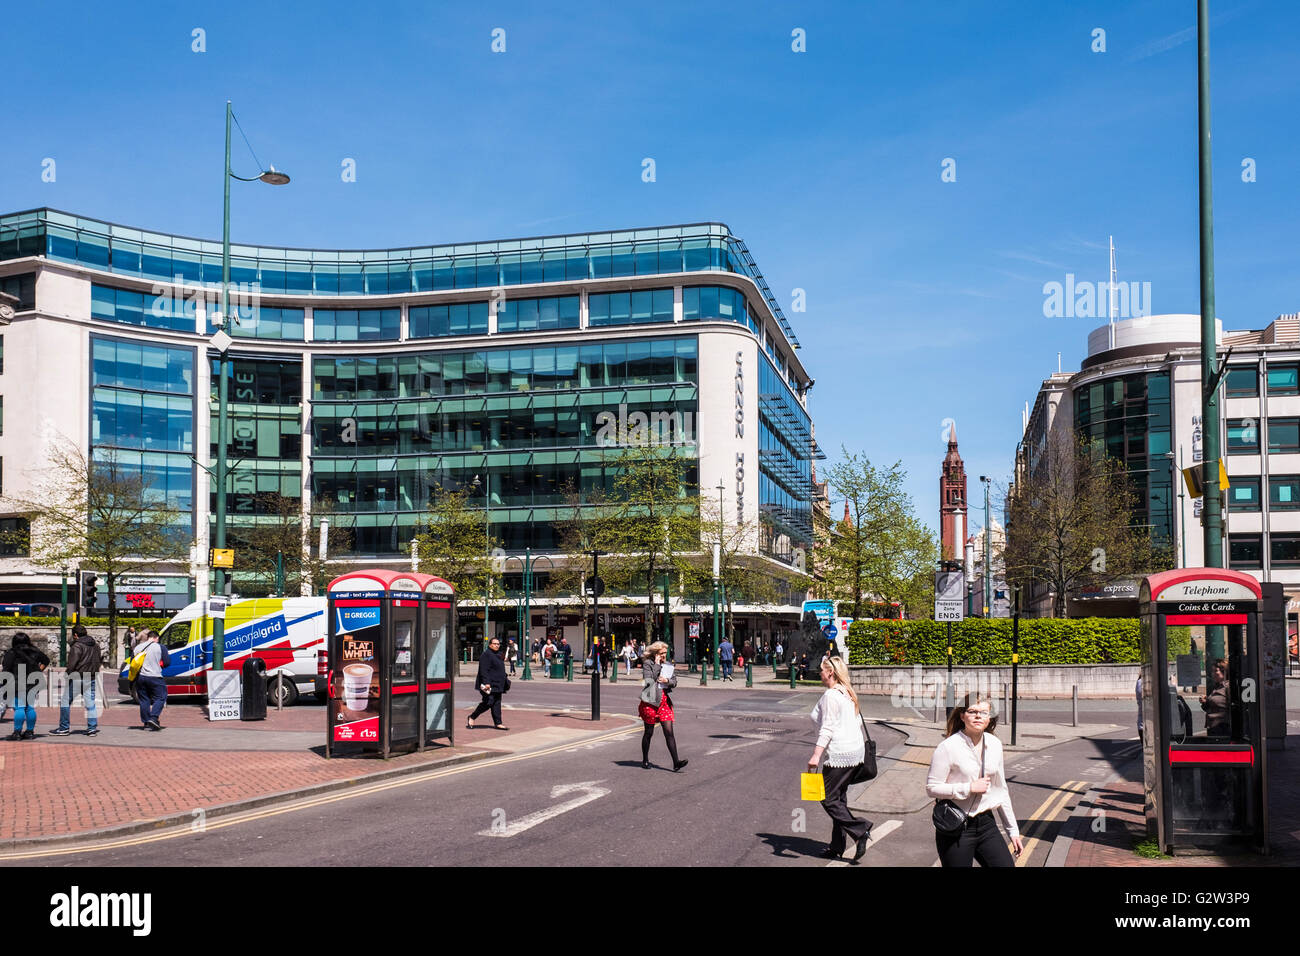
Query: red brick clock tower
point(952, 502)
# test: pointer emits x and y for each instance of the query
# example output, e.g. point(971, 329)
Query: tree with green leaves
point(101, 515)
point(456, 546)
point(882, 552)
point(654, 521)
point(278, 533)
point(1070, 522)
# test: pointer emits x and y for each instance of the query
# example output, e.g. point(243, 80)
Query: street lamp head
point(274, 177)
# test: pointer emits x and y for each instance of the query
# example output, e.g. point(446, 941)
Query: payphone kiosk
point(389, 662)
point(1203, 748)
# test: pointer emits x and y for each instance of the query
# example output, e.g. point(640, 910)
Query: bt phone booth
point(390, 660)
point(1203, 749)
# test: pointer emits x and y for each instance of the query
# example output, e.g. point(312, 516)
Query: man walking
point(725, 655)
point(84, 661)
point(149, 684)
point(566, 650)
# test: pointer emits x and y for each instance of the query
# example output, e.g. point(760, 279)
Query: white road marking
point(589, 790)
point(878, 833)
point(748, 741)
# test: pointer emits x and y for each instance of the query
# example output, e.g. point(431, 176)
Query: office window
point(1242, 381)
point(356, 325)
point(1243, 436)
point(15, 537)
point(24, 287)
point(434, 321)
point(1245, 551)
point(1284, 493)
point(1283, 380)
point(630, 308)
point(1283, 436)
point(1284, 550)
point(1243, 494)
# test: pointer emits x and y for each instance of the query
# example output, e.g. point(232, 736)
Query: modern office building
point(1138, 394)
point(366, 379)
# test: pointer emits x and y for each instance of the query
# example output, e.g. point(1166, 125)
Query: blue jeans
point(23, 711)
point(726, 667)
point(152, 692)
point(83, 685)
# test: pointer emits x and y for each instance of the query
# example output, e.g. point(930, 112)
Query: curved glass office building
point(365, 379)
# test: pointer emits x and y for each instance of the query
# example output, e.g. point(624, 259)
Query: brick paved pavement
point(1122, 802)
point(55, 786)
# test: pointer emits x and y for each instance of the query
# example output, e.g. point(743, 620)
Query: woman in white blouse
point(967, 769)
point(840, 739)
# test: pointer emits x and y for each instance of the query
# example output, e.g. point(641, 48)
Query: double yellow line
point(263, 813)
point(1042, 818)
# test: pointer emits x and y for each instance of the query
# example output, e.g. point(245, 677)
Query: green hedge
point(18, 623)
point(987, 641)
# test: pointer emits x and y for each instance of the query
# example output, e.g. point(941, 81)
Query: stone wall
point(918, 683)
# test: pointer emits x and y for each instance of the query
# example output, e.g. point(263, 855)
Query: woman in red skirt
point(656, 706)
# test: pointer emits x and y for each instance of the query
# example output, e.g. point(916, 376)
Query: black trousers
point(845, 826)
point(491, 702)
point(979, 839)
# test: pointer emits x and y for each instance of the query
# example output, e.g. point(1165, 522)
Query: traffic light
point(89, 585)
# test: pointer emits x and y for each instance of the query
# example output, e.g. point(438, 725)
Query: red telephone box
point(1203, 750)
point(390, 659)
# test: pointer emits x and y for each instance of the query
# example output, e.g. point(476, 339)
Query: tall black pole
point(1015, 664)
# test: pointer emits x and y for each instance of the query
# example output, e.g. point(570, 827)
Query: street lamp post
point(717, 572)
point(222, 342)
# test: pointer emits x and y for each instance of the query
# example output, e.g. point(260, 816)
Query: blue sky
point(924, 297)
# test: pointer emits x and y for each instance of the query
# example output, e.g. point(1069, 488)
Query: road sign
point(949, 596)
point(595, 586)
point(695, 628)
point(223, 558)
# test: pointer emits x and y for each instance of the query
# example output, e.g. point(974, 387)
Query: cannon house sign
point(729, 442)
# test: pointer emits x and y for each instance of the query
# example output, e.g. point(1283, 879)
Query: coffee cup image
point(356, 685)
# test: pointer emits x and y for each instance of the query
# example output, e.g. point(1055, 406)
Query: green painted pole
point(1213, 508)
point(526, 620)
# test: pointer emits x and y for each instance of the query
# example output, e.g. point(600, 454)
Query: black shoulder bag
point(948, 817)
point(867, 769)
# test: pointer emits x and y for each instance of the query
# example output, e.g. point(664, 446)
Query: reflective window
point(1243, 494)
point(435, 321)
point(356, 325)
point(1283, 380)
point(1284, 550)
point(1242, 381)
point(1243, 436)
point(163, 311)
point(640, 307)
point(1245, 551)
point(1283, 435)
point(531, 315)
point(1284, 492)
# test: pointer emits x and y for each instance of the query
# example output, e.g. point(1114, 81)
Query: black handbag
point(866, 770)
point(947, 816)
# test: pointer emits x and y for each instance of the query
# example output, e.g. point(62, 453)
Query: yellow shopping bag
point(812, 786)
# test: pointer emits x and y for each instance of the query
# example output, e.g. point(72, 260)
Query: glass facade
point(784, 462)
point(264, 434)
point(434, 321)
point(142, 414)
point(630, 308)
point(356, 325)
point(1127, 418)
point(716, 302)
point(660, 250)
point(141, 308)
point(539, 315)
point(388, 430)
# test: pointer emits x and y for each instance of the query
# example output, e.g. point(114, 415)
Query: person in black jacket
point(492, 683)
point(84, 660)
point(24, 663)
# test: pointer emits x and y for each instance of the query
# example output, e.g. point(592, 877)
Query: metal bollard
point(936, 703)
point(749, 674)
point(792, 675)
point(568, 669)
point(1074, 705)
point(1006, 700)
point(595, 694)
point(279, 691)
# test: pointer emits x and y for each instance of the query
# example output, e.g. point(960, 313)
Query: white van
point(287, 633)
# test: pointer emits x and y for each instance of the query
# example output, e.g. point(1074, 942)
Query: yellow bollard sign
point(222, 558)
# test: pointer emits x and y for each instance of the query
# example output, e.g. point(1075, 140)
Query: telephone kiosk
point(1203, 748)
point(390, 662)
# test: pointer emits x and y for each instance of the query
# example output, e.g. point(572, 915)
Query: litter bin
point(557, 666)
point(252, 702)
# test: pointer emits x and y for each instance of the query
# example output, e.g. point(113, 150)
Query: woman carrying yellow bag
point(840, 739)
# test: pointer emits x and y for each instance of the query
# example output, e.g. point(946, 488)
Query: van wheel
point(290, 692)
